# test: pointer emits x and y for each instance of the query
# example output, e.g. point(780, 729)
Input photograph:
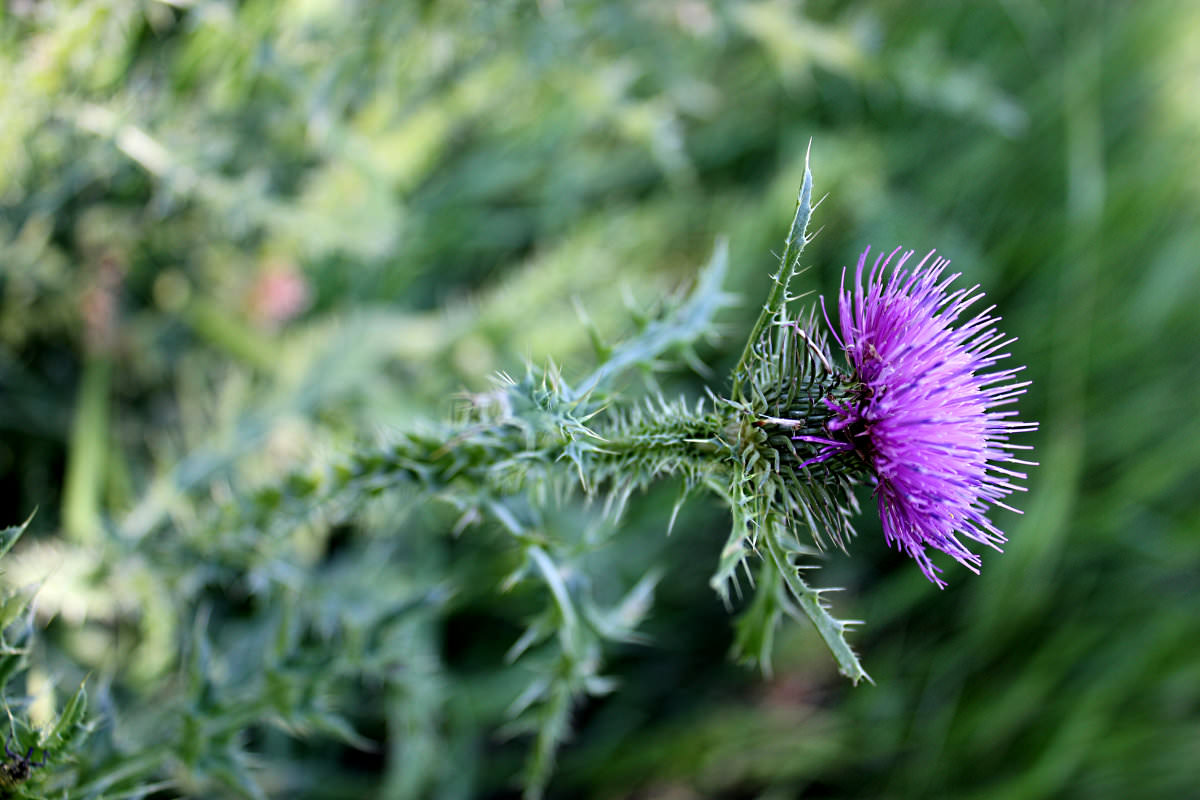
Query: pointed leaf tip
point(9, 536)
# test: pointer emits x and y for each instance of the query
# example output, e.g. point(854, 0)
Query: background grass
point(440, 181)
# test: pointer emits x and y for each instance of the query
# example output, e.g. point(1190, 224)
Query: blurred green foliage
point(236, 238)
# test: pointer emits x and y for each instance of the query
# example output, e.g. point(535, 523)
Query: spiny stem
point(778, 298)
point(831, 630)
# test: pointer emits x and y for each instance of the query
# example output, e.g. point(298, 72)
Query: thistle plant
point(899, 398)
point(915, 415)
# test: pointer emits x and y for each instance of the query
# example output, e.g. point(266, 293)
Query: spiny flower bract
point(925, 409)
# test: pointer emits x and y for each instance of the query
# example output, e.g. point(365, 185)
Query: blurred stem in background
point(89, 453)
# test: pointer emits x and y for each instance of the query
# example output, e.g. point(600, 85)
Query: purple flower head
point(925, 410)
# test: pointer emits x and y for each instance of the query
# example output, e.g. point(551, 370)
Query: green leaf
point(9, 536)
point(681, 327)
point(755, 628)
point(339, 727)
point(70, 720)
point(14, 603)
point(831, 629)
point(735, 551)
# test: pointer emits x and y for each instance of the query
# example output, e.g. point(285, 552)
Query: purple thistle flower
point(922, 409)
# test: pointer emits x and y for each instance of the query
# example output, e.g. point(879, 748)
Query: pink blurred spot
point(280, 293)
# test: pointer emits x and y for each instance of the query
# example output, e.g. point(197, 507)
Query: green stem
point(85, 461)
point(225, 331)
point(809, 599)
point(778, 298)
